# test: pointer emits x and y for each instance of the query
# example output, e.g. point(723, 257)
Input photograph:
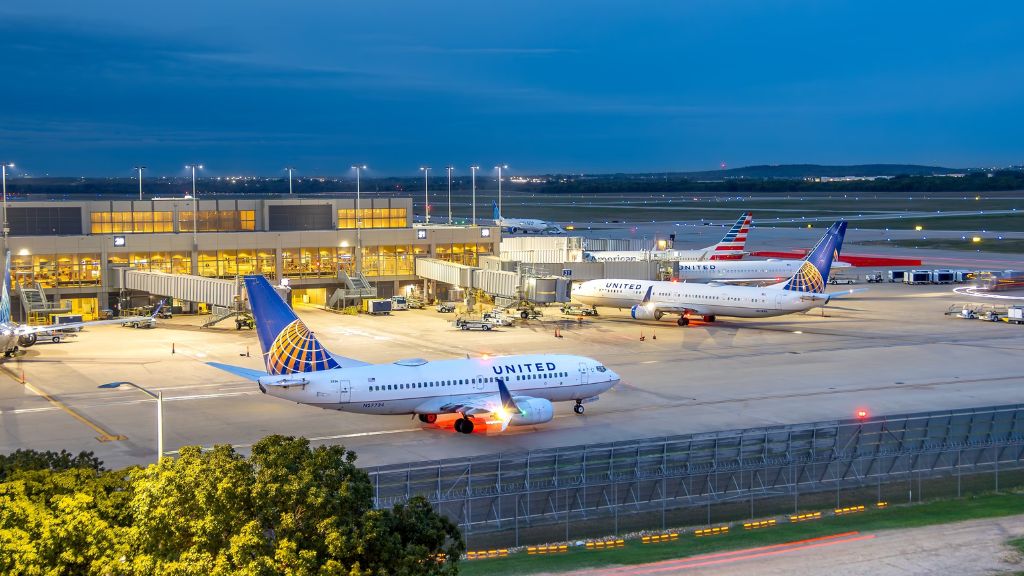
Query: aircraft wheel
point(579, 409)
point(683, 321)
point(428, 418)
point(710, 318)
point(467, 426)
point(458, 425)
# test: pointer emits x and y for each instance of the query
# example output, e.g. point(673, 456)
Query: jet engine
point(532, 411)
point(27, 340)
point(639, 312)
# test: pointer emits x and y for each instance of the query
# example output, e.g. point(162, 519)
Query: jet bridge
point(213, 291)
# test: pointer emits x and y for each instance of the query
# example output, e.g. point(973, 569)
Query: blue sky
point(92, 88)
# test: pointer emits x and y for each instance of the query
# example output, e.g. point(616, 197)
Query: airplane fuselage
point(418, 386)
point(648, 255)
point(703, 299)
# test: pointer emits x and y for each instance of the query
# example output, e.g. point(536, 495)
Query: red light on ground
point(862, 414)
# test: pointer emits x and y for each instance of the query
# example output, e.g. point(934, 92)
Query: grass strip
point(891, 518)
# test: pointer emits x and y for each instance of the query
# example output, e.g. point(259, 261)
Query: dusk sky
point(92, 88)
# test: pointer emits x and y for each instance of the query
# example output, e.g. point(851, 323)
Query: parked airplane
point(745, 271)
point(649, 300)
point(730, 248)
point(14, 335)
point(514, 225)
point(503, 391)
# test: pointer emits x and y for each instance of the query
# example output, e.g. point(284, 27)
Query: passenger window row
point(459, 382)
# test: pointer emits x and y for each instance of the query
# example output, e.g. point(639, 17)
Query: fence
point(693, 478)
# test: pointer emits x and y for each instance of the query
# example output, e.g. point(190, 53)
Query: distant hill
point(799, 171)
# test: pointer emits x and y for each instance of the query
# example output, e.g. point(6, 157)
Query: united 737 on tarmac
point(650, 300)
point(482, 392)
point(514, 225)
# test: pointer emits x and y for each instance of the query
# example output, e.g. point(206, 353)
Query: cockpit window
point(601, 368)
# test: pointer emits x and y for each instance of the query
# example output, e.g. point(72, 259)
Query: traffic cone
point(172, 347)
point(642, 338)
point(246, 351)
point(22, 375)
point(654, 335)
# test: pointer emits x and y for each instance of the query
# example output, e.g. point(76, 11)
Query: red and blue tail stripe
point(731, 247)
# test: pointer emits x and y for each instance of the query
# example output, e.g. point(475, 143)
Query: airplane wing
point(247, 373)
point(494, 407)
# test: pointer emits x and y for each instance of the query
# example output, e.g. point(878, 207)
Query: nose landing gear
point(578, 408)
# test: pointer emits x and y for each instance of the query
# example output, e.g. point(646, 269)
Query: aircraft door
point(778, 300)
point(344, 391)
point(583, 373)
point(479, 385)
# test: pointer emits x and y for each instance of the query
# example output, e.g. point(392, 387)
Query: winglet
point(157, 309)
point(506, 397)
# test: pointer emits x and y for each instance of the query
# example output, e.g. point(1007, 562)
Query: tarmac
point(889, 350)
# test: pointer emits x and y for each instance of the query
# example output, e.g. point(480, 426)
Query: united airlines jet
point(730, 248)
point(482, 392)
point(650, 300)
point(514, 225)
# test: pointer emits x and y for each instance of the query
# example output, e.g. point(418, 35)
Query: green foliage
point(24, 460)
point(288, 509)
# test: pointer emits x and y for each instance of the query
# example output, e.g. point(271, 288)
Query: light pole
point(450, 168)
point(426, 194)
point(474, 169)
point(159, 397)
point(289, 169)
point(7, 230)
point(140, 169)
point(359, 220)
point(499, 167)
point(195, 219)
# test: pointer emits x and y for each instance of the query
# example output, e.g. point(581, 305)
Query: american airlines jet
point(514, 225)
point(483, 392)
point(650, 300)
point(730, 248)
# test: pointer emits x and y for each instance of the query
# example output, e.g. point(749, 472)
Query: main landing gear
point(428, 418)
point(683, 321)
point(578, 408)
point(464, 425)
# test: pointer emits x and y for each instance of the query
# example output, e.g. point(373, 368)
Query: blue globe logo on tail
point(296, 350)
point(815, 268)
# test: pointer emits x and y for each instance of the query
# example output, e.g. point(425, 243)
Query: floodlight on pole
point(359, 220)
point(474, 169)
point(159, 397)
point(290, 169)
point(426, 194)
point(140, 169)
point(449, 168)
point(7, 229)
point(500, 167)
point(195, 212)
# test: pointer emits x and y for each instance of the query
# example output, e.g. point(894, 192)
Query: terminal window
point(130, 222)
point(44, 221)
point(218, 221)
point(373, 218)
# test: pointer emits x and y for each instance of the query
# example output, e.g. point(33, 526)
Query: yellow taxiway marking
point(104, 436)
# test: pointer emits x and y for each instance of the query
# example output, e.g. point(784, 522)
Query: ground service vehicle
point(399, 303)
point(577, 310)
point(873, 278)
point(1015, 314)
point(897, 275)
point(445, 307)
point(837, 280)
point(377, 307)
point(473, 324)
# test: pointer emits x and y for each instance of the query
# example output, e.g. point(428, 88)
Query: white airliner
point(742, 271)
point(730, 248)
point(484, 392)
point(14, 335)
point(514, 225)
point(650, 300)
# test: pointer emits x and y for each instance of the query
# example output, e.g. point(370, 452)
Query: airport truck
point(472, 324)
point(1015, 314)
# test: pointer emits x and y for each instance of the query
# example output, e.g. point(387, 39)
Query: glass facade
point(373, 218)
point(462, 253)
point(322, 262)
point(131, 222)
point(231, 263)
point(396, 260)
point(57, 270)
point(167, 262)
point(218, 221)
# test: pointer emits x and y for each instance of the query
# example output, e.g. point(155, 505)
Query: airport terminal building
point(71, 249)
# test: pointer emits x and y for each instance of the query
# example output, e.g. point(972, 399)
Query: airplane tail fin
point(731, 247)
point(288, 345)
point(497, 213)
point(813, 273)
point(5, 297)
